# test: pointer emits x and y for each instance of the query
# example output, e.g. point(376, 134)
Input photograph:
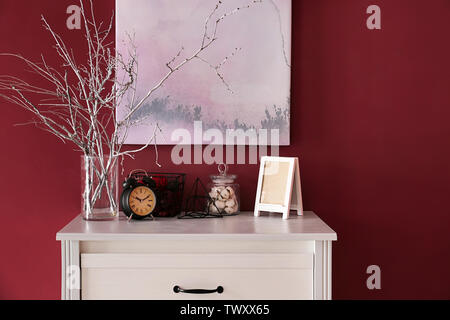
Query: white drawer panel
point(188, 261)
point(197, 246)
point(153, 276)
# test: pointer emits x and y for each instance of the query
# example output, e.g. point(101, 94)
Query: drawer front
point(154, 276)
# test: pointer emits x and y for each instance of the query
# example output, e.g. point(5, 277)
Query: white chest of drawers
point(264, 258)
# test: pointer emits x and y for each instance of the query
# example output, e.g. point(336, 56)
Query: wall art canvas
point(239, 84)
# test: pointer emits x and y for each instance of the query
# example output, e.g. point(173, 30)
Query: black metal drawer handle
point(177, 289)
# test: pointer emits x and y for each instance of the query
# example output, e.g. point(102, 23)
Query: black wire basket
point(170, 190)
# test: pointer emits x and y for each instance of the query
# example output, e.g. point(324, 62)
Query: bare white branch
point(77, 102)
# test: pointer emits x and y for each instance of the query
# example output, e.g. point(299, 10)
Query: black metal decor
point(197, 203)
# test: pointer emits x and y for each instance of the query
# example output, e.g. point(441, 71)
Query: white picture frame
point(279, 187)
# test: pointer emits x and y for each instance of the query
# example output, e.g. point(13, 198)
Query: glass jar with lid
point(224, 193)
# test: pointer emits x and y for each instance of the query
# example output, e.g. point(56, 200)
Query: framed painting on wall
point(238, 87)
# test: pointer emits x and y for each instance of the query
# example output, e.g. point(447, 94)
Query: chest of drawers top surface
point(242, 227)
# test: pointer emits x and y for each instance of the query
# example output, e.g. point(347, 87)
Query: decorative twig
point(78, 102)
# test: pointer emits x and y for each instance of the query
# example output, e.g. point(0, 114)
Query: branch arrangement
point(77, 102)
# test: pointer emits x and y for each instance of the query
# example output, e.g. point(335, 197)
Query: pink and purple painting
point(240, 83)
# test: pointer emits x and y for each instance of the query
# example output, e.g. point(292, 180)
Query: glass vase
point(99, 188)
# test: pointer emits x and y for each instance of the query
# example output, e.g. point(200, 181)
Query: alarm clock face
point(142, 201)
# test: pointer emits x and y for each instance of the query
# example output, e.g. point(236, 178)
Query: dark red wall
point(370, 122)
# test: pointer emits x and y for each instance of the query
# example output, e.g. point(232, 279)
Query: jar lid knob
point(223, 168)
